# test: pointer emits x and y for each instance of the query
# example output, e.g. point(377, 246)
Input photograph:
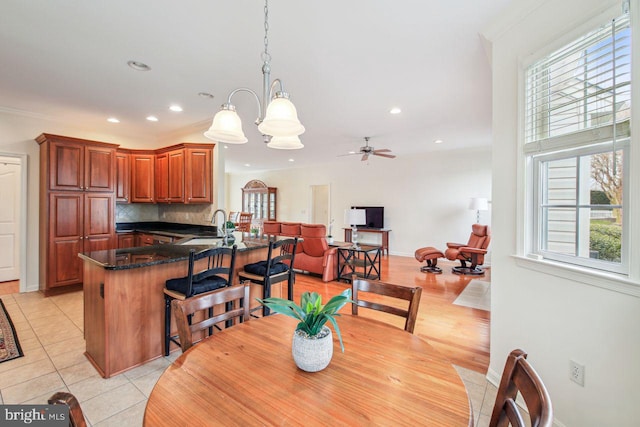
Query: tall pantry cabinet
point(77, 206)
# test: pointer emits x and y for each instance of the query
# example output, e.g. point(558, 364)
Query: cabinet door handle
point(81, 237)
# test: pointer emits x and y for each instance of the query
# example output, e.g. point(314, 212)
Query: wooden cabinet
point(170, 176)
point(77, 206)
point(123, 176)
point(142, 176)
point(181, 173)
point(78, 165)
point(79, 222)
point(143, 239)
point(184, 174)
point(260, 200)
point(126, 240)
point(198, 174)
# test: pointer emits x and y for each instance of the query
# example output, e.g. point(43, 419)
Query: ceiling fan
point(367, 150)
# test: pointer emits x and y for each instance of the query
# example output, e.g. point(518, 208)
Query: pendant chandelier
point(279, 125)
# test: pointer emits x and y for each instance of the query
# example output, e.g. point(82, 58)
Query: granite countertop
point(172, 229)
point(144, 256)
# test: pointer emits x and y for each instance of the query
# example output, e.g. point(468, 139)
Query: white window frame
point(625, 278)
point(537, 193)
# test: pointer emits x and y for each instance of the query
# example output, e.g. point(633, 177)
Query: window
point(577, 134)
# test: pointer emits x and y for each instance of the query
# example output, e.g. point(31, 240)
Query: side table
point(363, 261)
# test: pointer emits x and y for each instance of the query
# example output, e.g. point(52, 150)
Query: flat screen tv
point(374, 215)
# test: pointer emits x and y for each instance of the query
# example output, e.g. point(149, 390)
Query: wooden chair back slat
point(234, 299)
point(411, 294)
point(519, 376)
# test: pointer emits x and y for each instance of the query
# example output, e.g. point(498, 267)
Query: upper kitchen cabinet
point(142, 176)
point(123, 176)
point(170, 175)
point(198, 173)
point(78, 165)
point(184, 174)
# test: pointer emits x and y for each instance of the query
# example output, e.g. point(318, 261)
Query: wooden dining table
point(245, 375)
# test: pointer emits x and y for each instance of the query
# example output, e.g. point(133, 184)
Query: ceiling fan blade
point(390, 156)
point(348, 154)
point(382, 150)
point(365, 156)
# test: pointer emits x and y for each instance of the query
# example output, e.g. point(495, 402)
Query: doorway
point(13, 220)
point(320, 204)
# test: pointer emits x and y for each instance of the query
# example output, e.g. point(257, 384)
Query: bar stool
point(278, 267)
point(220, 263)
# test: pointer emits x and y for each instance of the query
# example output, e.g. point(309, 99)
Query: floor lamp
point(478, 204)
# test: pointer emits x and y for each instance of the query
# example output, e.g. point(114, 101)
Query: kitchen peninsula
point(123, 297)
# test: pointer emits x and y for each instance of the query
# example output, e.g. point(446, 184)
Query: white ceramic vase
point(312, 354)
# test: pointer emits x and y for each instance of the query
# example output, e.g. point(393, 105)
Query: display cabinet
point(260, 200)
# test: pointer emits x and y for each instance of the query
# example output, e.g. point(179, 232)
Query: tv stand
point(384, 232)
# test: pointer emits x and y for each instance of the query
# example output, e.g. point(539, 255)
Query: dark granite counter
point(144, 256)
point(172, 229)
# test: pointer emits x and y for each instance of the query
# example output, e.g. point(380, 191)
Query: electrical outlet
point(576, 372)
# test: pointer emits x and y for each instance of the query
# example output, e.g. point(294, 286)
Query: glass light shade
point(355, 216)
point(227, 128)
point(285, 143)
point(281, 119)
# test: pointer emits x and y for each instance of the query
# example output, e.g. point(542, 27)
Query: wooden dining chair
point(275, 269)
point(519, 376)
point(76, 417)
point(411, 294)
point(244, 222)
point(233, 300)
point(214, 270)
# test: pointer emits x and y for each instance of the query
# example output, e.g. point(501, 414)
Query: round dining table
point(245, 376)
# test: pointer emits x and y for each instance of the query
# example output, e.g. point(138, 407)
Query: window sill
point(610, 281)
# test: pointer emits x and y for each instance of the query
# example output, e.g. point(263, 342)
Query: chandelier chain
point(266, 57)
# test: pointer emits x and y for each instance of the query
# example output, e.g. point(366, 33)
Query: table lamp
point(478, 204)
point(355, 217)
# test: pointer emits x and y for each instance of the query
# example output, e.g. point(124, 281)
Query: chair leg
point(167, 324)
point(291, 282)
point(267, 294)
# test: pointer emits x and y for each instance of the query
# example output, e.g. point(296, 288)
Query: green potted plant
point(312, 346)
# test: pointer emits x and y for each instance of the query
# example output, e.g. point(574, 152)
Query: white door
point(9, 219)
point(320, 204)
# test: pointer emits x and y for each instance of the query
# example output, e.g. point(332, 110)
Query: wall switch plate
point(576, 372)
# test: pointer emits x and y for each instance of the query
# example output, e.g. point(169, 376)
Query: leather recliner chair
point(314, 254)
point(472, 252)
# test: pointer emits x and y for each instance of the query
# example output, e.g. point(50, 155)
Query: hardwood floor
point(460, 333)
point(11, 287)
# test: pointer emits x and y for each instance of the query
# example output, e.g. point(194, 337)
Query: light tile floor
point(50, 333)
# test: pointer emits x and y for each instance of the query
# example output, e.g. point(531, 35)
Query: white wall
point(425, 196)
point(556, 319)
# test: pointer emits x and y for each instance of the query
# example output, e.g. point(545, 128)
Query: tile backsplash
point(185, 214)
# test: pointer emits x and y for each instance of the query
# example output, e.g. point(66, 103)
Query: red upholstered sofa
point(313, 253)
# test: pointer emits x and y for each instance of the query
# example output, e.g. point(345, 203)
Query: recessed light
point(205, 95)
point(175, 108)
point(226, 146)
point(438, 141)
point(113, 120)
point(152, 118)
point(291, 160)
point(395, 110)
point(247, 165)
point(138, 66)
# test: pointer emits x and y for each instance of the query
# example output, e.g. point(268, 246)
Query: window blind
point(581, 93)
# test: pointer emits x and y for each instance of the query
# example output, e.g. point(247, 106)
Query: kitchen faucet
point(224, 220)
